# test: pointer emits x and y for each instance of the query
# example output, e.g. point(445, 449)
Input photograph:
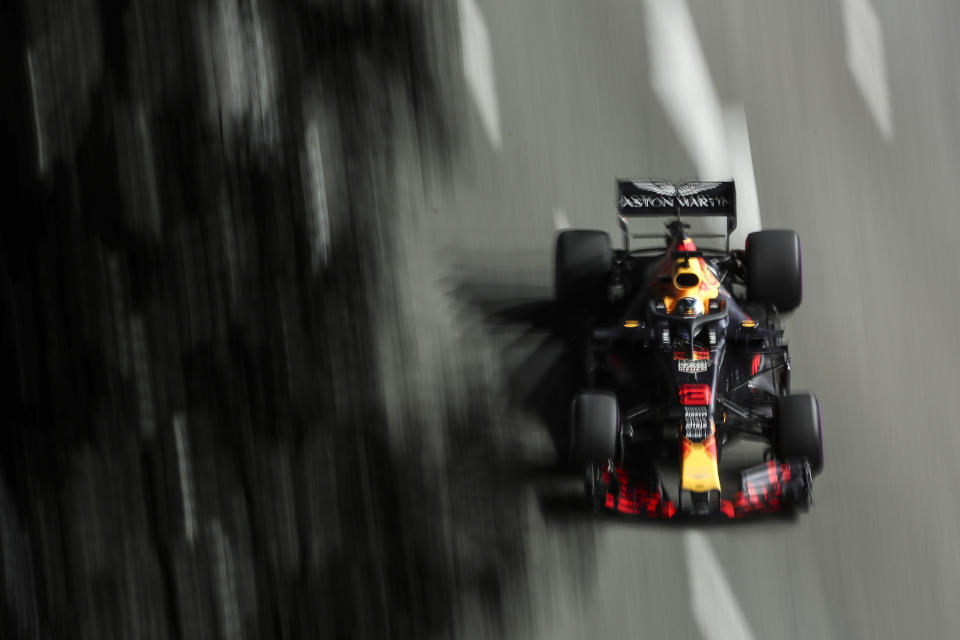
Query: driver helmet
point(689, 307)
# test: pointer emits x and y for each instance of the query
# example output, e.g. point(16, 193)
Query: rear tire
point(595, 420)
point(798, 430)
point(774, 269)
point(584, 259)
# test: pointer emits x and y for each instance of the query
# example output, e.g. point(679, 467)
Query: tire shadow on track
point(529, 332)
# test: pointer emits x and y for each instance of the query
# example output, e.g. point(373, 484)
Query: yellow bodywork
point(675, 280)
point(706, 289)
point(699, 466)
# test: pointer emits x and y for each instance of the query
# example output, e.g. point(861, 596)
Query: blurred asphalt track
point(350, 464)
point(878, 555)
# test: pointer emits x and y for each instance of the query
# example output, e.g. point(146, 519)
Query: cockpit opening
point(686, 279)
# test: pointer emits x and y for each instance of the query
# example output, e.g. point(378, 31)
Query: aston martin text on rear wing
point(660, 199)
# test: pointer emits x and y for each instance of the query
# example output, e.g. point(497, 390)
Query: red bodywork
point(635, 499)
point(763, 491)
point(694, 394)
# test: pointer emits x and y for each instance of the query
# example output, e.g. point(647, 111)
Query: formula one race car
point(685, 359)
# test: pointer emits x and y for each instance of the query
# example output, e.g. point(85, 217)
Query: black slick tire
point(594, 422)
point(584, 259)
point(774, 269)
point(798, 432)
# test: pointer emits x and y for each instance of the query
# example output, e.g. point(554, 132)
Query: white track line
point(681, 81)
point(866, 60)
point(560, 220)
point(741, 165)
point(717, 612)
point(478, 69)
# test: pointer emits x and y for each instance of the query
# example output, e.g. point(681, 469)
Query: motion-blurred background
point(276, 326)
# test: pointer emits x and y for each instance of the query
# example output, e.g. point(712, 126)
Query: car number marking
point(692, 366)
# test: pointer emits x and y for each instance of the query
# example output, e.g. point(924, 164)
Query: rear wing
point(658, 198)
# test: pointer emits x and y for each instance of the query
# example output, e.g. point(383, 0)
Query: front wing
point(765, 488)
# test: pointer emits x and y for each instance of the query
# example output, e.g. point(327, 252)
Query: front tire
point(595, 421)
point(799, 433)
